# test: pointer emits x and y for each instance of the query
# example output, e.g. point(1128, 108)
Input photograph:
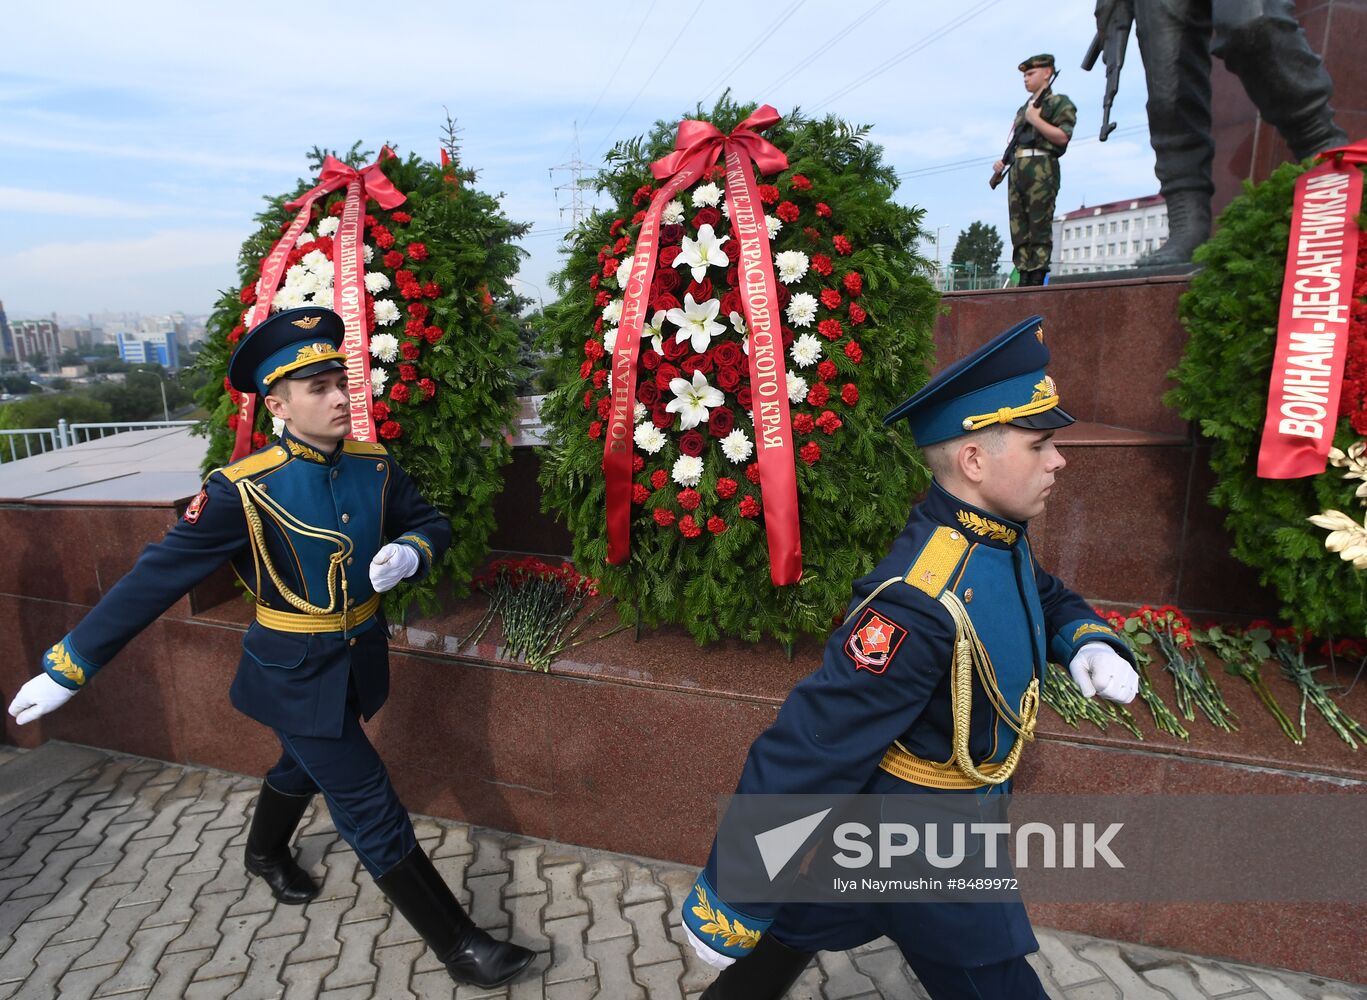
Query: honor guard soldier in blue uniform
point(304, 522)
point(877, 716)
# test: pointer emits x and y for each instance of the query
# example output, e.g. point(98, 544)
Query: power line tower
point(576, 186)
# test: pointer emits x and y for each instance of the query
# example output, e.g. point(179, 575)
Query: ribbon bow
point(698, 144)
point(337, 175)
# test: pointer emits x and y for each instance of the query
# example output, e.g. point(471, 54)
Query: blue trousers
point(364, 806)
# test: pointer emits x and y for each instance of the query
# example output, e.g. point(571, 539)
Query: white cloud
point(13, 199)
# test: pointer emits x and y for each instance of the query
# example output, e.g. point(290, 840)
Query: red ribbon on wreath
point(697, 147)
point(348, 284)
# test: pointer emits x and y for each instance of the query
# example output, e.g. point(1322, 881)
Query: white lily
point(657, 323)
point(738, 324)
point(692, 400)
point(697, 322)
point(1346, 536)
point(702, 253)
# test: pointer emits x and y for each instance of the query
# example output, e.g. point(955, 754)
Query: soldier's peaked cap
point(1043, 59)
point(1002, 382)
point(296, 343)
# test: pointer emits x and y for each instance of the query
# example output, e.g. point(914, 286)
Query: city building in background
point(6, 336)
point(1108, 237)
point(37, 342)
point(149, 348)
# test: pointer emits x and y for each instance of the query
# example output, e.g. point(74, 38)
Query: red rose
point(730, 303)
point(417, 251)
point(667, 280)
point(689, 499)
point(823, 210)
point(433, 334)
point(700, 290)
point(671, 235)
point(393, 259)
point(743, 398)
point(418, 311)
point(830, 329)
point(664, 517)
point(661, 417)
point(674, 348)
point(380, 411)
point(664, 302)
point(706, 217)
point(818, 394)
point(768, 194)
point(787, 335)
point(689, 527)
point(752, 472)
point(720, 422)
point(390, 430)
point(409, 350)
point(830, 298)
point(857, 313)
point(658, 478)
point(810, 452)
point(733, 276)
point(668, 255)
point(648, 393)
point(843, 246)
point(403, 218)
point(849, 394)
point(384, 239)
point(649, 359)
point(696, 363)
point(749, 507)
point(665, 374)
point(400, 393)
point(821, 264)
point(826, 370)
point(728, 379)
point(800, 182)
point(639, 494)
point(787, 211)
point(783, 295)
point(727, 354)
point(596, 429)
point(732, 250)
point(716, 525)
point(853, 351)
point(802, 423)
point(690, 443)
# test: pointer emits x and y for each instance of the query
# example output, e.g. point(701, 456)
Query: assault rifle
point(1113, 21)
point(999, 175)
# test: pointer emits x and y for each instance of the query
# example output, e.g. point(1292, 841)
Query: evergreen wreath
point(1231, 314)
point(857, 339)
point(443, 341)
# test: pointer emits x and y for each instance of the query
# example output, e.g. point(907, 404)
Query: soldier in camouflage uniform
point(1042, 136)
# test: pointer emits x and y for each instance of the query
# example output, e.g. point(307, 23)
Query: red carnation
point(585, 369)
point(595, 280)
point(248, 295)
point(658, 478)
point(596, 429)
point(749, 507)
point(752, 472)
point(800, 182)
point(337, 207)
point(830, 298)
point(708, 216)
point(408, 373)
point(593, 349)
point(803, 423)
point(433, 334)
point(391, 429)
point(259, 440)
point(601, 299)
point(826, 370)
point(689, 499)
point(853, 351)
point(418, 311)
point(380, 411)
point(621, 244)
point(689, 527)
point(384, 239)
point(821, 264)
point(235, 334)
point(691, 443)
point(843, 246)
point(849, 394)
point(599, 377)
point(417, 251)
point(810, 452)
point(616, 225)
point(402, 218)
point(823, 210)
point(393, 259)
point(638, 218)
point(400, 393)
point(768, 194)
point(610, 267)
point(726, 488)
point(604, 404)
point(716, 525)
point(854, 281)
point(830, 329)
point(642, 194)
point(409, 350)
point(720, 422)
point(639, 494)
point(857, 313)
point(787, 211)
point(664, 517)
point(588, 398)
point(234, 419)
point(828, 422)
point(431, 290)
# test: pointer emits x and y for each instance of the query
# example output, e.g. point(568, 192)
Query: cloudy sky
point(137, 140)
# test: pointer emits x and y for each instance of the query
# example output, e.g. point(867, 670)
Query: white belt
point(1031, 152)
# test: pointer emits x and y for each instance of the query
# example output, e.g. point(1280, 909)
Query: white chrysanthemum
point(323, 274)
point(376, 282)
point(612, 312)
point(773, 224)
point(801, 309)
point(314, 260)
point(386, 312)
point(726, 211)
point(649, 438)
point(297, 275)
point(693, 399)
point(797, 388)
point(706, 195)
point(687, 470)
point(384, 346)
point(673, 213)
point(304, 237)
point(791, 265)
point(806, 350)
point(328, 226)
point(610, 339)
point(639, 413)
point(737, 447)
point(369, 253)
point(624, 271)
point(278, 426)
point(288, 298)
point(378, 377)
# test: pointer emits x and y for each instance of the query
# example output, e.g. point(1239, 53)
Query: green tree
point(46, 408)
point(979, 244)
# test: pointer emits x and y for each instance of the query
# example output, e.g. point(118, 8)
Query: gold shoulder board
point(262, 461)
point(932, 569)
point(364, 447)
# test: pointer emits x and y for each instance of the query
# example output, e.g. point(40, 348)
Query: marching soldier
point(1041, 132)
point(304, 522)
point(958, 599)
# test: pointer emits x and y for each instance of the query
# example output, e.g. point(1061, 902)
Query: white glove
point(37, 697)
point(1100, 670)
point(391, 564)
point(713, 958)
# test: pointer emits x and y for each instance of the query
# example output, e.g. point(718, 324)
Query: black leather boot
point(767, 973)
point(1188, 228)
point(470, 955)
point(268, 851)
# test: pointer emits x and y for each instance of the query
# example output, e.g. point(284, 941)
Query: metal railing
point(72, 434)
point(33, 440)
point(26, 442)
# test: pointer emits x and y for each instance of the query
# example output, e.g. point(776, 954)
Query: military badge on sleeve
point(196, 507)
point(873, 641)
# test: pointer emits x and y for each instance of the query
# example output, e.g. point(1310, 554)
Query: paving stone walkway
point(123, 878)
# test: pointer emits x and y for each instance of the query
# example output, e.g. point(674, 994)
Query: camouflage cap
point(1045, 59)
